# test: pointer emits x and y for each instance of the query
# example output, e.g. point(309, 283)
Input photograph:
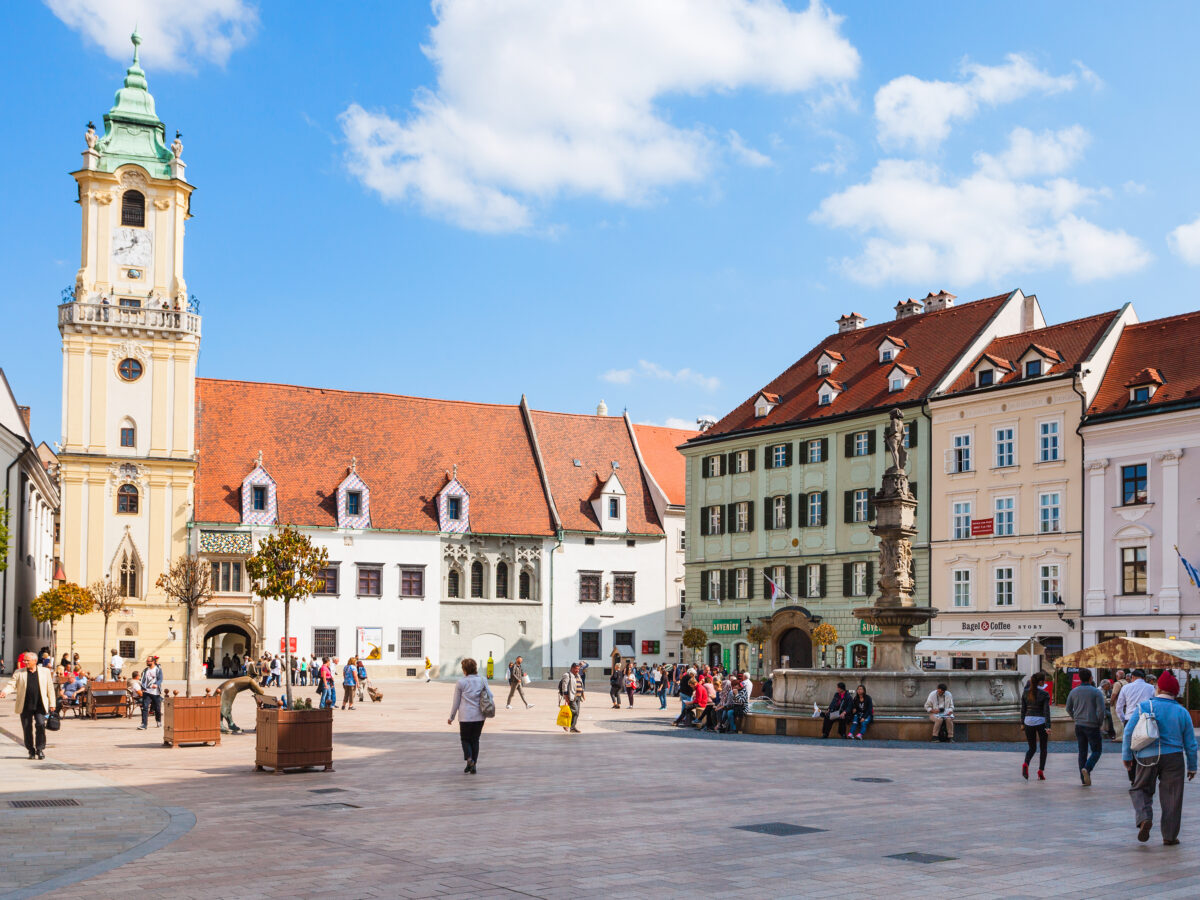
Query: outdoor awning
point(1134, 653)
point(1006, 645)
point(625, 650)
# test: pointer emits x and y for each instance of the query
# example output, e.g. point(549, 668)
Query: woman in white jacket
point(467, 694)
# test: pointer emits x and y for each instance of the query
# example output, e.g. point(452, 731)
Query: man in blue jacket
point(1162, 761)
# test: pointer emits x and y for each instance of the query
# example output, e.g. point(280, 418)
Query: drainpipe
point(4, 574)
point(559, 537)
point(1078, 372)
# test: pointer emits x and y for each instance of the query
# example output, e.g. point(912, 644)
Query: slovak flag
point(774, 590)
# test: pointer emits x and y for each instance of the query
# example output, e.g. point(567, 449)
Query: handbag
point(53, 722)
point(487, 706)
point(1145, 732)
point(526, 679)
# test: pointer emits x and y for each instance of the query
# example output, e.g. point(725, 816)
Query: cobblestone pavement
point(629, 808)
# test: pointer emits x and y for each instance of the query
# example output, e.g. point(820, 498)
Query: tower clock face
point(131, 247)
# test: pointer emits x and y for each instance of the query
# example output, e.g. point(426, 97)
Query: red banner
point(291, 641)
point(982, 526)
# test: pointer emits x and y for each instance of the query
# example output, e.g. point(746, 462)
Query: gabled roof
point(596, 441)
point(935, 342)
point(907, 370)
point(769, 397)
point(899, 342)
point(404, 446)
point(1170, 344)
point(666, 464)
point(836, 385)
point(834, 355)
point(1075, 341)
point(1144, 377)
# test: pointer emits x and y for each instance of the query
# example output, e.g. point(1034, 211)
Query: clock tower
point(130, 339)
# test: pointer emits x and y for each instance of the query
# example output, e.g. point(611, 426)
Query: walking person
point(615, 681)
point(34, 687)
point(661, 685)
point(630, 683)
point(1132, 694)
point(1087, 706)
point(1119, 683)
point(570, 692)
point(516, 682)
point(152, 680)
point(349, 682)
point(328, 691)
point(428, 669)
point(1161, 762)
point(1035, 719)
point(1106, 689)
point(303, 672)
point(360, 669)
point(468, 692)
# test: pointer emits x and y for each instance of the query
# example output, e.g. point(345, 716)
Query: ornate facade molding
point(127, 349)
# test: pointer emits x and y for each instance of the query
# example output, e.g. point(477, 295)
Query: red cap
point(1168, 683)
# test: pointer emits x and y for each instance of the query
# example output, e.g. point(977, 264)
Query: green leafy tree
point(54, 605)
point(189, 583)
point(106, 600)
point(287, 566)
point(695, 639)
point(4, 533)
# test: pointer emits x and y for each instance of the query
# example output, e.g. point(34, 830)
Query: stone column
point(1168, 589)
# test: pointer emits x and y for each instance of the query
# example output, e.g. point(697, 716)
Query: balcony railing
point(109, 318)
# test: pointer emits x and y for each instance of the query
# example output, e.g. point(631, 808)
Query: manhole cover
point(873, 780)
point(780, 829)
point(327, 791)
point(41, 804)
point(331, 806)
point(917, 856)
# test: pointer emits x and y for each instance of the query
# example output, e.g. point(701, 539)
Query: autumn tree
point(54, 605)
point(287, 566)
point(695, 639)
point(189, 583)
point(106, 600)
point(824, 635)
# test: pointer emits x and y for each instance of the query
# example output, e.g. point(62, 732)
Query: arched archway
point(713, 654)
point(795, 649)
point(795, 624)
point(232, 639)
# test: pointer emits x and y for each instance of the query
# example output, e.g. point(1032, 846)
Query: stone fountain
point(987, 704)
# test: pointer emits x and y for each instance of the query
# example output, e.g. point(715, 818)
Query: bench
point(107, 698)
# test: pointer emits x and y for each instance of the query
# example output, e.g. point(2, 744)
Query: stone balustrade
point(99, 318)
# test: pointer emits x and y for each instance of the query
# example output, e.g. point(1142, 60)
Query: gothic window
point(524, 586)
point(133, 209)
point(476, 579)
point(127, 576)
point(502, 580)
point(127, 499)
point(452, 584)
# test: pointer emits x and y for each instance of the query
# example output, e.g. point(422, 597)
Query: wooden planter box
point(1195, 717)
point(191, 720)
point(293, 739)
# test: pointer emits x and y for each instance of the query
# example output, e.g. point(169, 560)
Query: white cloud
point(917, 113)
point(176, 34)
point(744, 153)
point(921, 226)
point(685, 424)
point(537, 100)
point(1048, 153)
point(1184, 242)
point(650, 370)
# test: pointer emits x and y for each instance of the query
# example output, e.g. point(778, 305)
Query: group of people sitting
point(852, 713)
point(711, 703)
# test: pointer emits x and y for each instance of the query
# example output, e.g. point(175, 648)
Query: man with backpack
point(1159, 759)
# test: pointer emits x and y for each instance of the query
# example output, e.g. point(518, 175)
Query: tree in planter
point(824, 635)
point(189, 583)
point(287, 566)
point(106, 600)
point(759, 634)
point(695, 639)
point(54, 605)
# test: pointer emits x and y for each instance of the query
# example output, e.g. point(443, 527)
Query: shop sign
point(727, 626)
point(982, 527)
point(291, 641)
point(868, 630)
point(649, 648)
point(987, 626)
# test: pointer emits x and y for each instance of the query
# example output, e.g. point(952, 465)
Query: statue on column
point(893, 439)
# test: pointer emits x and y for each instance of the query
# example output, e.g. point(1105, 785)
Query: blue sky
point(662, 205)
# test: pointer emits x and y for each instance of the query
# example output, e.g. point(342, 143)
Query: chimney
point(907, 308)
point(24, 410)
point(602, 408)
point(1028, 305)
point(937, 302)
point(851, 322)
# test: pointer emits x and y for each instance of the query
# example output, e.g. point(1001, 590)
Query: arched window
point(133, 209)
point(502, 580)
point(452, 586)
point(128, 433)
point(127, 576)
point(523, 586)
point(127, 499)
point(476, 579)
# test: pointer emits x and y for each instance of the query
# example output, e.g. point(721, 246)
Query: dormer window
point(1143, 385)
point(900, 376)
point(1140, 394)
point(608, 504)
point(1033, 368)
point(984, 377)
point(454, 508)
point(353, 503)
point(824, 368)
point(886, 355)
point(828, 361)
point(828, 391)
point(826, 398)
point(258, 498)
point(614, 508)
point(897, 384)
point(890, 347)
point(764, 404)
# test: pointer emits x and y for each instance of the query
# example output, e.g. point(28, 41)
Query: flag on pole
point(776, 590)
point(1192, 573)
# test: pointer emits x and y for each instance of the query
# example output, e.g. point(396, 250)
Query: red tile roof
point(404, 445)
point(935, 342)
point(1068, 342)
point(596, 441)
point(907, 370)
point(769, 397)
point(663, 459)
point(1144, 377)
point(1168, 343)
point(899, 342)
point(994, 360)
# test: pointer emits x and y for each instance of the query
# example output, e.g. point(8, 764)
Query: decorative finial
point(90, 137)
point(177, 145)
point(455, 475)
point(137, 40)
point(258, 459)
point(353, 464)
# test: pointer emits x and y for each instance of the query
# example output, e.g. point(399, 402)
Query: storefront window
point(961, 662)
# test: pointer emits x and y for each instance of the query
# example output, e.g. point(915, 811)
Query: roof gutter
point(1180, 406)
point(800, 423)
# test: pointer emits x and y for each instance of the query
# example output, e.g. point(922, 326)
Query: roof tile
point(1171, 344)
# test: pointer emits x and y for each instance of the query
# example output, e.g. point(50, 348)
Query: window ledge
point(1016, 467)
point(958, 475)
point(1120, 506)
point(1049, 463)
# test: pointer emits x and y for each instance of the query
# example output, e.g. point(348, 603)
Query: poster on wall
point(370, 643)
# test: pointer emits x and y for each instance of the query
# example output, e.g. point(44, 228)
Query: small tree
point(695, 639)
point(759, 634)
point(106, 600)
point(54, 605)
point(189, 583)
point(287, 566)
point(824, 635)
point(4, 532)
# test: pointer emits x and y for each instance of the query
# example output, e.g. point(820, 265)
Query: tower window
point(129, 369)
point(127, 499)
point(523, 586)
point(127, 577)
point(127, 437)
point(133, 209)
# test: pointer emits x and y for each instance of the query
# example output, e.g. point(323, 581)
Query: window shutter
point(848, 504)
point(750, 515)
point(749, 584)
point(824, 507)
point(730, 522)
point(913, 431)
point(871, 440)
point(850, 444)
point(721, 584)
point(787, 510)
point(704, 467)
point(847, 579)
point(751, 453)
point(787, 580)
point(703, 521)
point(729, 466)
point(948, 462)
point(824, 449)
point(723, 458)
point(768, 512)
point(822, 594)
point(787, 453)
point(766, 582)
point(870, 577)
point(801, 453)
point(912, 488)
point(870, 503)
point(704, 584)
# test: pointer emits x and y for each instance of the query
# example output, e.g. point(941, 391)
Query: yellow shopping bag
point(564, 716)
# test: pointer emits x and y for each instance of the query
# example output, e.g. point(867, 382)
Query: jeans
point(149, 702)
point(1037, 736)
point(468, 733)
point(729, 720)
point(1168, 772)
point(329, 696)
point(304, 678)
point(1088, 738)
point(662, 698)
point(858, 725)
point(629, 691)
point(34, 726)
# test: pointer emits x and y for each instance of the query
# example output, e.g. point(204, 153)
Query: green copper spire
point(133, 132)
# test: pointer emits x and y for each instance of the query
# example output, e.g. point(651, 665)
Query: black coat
point(863, 708)
point(1040, 706)
point(840, 704)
